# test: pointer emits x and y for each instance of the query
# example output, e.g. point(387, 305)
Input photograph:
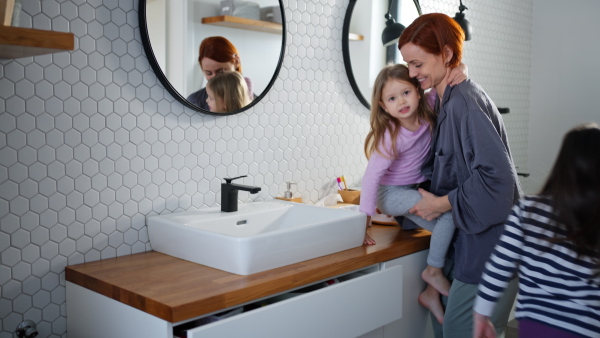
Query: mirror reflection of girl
point(227, 92)
point(396, 146)
point(217, 55)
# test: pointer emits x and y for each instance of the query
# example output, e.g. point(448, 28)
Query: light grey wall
point(91, 143)
point(564, 78)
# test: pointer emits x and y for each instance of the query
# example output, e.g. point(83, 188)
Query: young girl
point(552, 240)
point(396, 146)
point(227, 92)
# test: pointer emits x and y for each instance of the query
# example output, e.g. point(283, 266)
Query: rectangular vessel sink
point(259, 236)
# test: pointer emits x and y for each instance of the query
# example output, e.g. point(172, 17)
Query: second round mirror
point(364, 53)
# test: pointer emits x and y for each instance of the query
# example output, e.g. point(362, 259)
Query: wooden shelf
point(243, 23)
point(355, 37)
point(18, 42)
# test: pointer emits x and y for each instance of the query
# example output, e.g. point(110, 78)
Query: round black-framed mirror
point(182, 96)
point(372, 36)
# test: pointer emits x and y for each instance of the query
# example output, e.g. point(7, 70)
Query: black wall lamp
point(393, 30)
point(464, 23)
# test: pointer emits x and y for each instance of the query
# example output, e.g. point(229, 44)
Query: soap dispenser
point(288, 196)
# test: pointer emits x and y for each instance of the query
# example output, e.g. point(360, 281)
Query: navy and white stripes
point(556, 287)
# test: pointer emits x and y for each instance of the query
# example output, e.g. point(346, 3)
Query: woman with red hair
point(470, 167)
point(217, 55)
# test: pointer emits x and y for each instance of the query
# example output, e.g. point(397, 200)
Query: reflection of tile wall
point(91, 143)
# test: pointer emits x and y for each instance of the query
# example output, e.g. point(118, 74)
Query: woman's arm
point(487, 194)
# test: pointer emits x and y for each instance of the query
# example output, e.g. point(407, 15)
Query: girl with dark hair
point(552, 241)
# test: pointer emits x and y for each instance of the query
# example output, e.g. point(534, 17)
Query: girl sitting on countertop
point(396, 146)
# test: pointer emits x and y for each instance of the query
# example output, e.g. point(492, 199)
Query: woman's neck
point(440, 88)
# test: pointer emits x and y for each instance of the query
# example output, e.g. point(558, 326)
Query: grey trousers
point(458, 318)
point(396, 200)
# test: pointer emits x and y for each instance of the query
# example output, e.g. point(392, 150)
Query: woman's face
point(429, 69)
point(210, 67)
point(215, 104)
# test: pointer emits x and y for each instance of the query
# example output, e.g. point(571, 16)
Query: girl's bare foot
point(430, 299)
point(434, 277)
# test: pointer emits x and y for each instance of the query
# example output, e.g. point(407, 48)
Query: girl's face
point(429, 69)
point(215, 104)
point(211, 68)
point(401, 100)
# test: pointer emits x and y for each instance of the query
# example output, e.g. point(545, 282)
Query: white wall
point(564, 78)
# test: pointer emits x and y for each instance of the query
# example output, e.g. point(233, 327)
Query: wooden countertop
point(177, 290)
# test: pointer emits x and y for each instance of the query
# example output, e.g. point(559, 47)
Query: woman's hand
point(458, 74)
point(430, 206)
point(368, 240)
point(483, 326)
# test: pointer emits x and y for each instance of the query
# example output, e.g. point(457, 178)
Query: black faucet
point(229, 193)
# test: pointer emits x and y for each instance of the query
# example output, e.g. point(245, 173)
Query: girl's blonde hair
point(231, 88)
point(382, 121)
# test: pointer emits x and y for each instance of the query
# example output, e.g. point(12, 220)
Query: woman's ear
point(236, 62)
point(448, 54)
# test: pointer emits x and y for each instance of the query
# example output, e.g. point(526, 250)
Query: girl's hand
point(368, 240)
point(430, 206)
point(483, 327)
point(458, 74)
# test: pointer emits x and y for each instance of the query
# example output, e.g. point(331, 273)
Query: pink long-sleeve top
point(412, 149)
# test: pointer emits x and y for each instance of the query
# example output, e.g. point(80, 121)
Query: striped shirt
point(556, 287)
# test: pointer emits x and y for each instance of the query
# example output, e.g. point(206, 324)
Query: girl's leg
point(430, 299)
point(441, 237)
point(397, 200)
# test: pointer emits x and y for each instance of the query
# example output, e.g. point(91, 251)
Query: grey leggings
point(396, 200)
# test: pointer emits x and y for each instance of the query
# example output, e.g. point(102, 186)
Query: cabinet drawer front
point(344, 310)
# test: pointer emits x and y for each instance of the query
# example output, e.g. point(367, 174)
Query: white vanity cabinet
point(415, 320)
point(375, 302)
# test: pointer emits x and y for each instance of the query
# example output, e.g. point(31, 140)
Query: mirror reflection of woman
point(217, 55)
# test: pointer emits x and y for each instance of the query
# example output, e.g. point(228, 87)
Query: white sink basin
point(259, 236)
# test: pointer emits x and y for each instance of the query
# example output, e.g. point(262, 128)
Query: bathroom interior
point(93, 143)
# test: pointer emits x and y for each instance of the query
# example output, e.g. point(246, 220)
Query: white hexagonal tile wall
point(91, 143)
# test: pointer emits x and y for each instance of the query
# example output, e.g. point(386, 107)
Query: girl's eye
point(391, 98)
point(406, 92)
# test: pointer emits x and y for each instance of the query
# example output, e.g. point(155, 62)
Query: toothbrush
point(344, 180)
point(339, 180)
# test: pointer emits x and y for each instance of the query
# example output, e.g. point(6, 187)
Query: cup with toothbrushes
point(350, 196)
